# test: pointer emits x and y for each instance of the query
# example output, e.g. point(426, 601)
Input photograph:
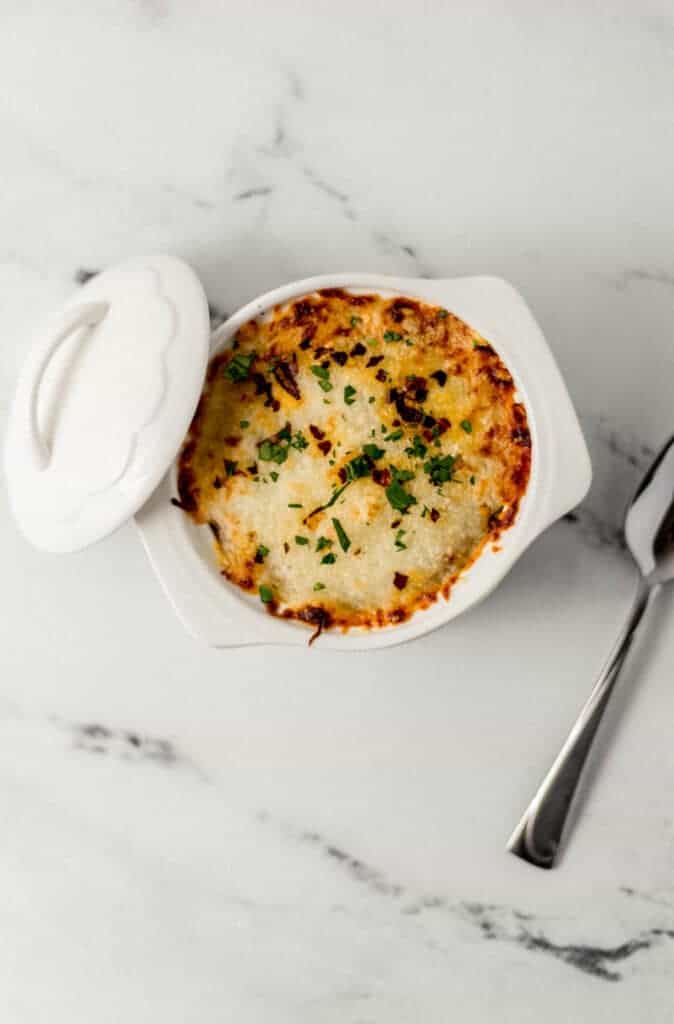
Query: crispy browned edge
point(302, 312)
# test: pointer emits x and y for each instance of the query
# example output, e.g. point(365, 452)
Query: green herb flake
point(230, 467)
point(371, 399)
point(342, 536)
point(395, 435)
point(243, 424)
point(417, 449)
point(401, 475)
point(440, 468)
point(355, 320)
point(239, 366)
point(442, 314)
point(349, 394)
point(371, 342)
point(261, 553)
point(266, 594)
point(323, 375)
point(472, 481)
point(425, 511)
point(398, 497)
point(274, 475)
point(399, 540)
point(299, 441)
point(467, 426)
point(392, 336)
point(270, 451)
point(323, 542)
point(319, 586)
point(409, 342)
point(301, 540)
point(294, 504)
point(373, 451)
point(328, 559)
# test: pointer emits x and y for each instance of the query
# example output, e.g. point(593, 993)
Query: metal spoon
point(649, 533)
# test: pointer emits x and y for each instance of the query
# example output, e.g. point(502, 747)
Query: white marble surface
point(286, 836)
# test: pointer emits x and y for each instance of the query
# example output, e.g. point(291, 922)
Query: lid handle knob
point(61, 327)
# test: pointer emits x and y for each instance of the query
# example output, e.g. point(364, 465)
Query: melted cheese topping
point(394, 413)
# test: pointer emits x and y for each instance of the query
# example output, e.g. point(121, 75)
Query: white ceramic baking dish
point(220, 614)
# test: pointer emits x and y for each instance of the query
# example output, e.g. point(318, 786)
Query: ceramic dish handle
point(61, 327)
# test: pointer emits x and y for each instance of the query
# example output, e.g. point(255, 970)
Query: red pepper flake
point(233, 440)
point(342, 475)
point(382, 376)
point(217, 483)
point(381, 477)
point(252, 469)
point(435, 515)
point(400, 580)
point(442, 425)
point(286, 546)
point(374, 361)
point(339, 357)
point(396, 522)
point(440, 376)
point(316, 432)
point(325, 446)
point(358, 349)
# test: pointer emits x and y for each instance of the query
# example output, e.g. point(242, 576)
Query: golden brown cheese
point(353, 454)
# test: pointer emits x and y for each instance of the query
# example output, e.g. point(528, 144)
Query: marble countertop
point(293, 835)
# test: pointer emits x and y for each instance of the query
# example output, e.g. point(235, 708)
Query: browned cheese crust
point(353, 454)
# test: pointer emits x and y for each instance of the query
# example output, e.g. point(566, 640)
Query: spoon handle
point(537, 837)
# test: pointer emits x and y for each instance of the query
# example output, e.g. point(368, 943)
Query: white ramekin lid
point(104, 400)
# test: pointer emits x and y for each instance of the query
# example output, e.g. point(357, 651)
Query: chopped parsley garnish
point(230, 467)
point(323, 375)
point(399, 540)
point(357, 468)
point(355, 320)
point(342, 537)
point(373, 451)
point(395, 435)
point(274, 475)
point(349, 394)
point(401, 475)
point(319, 586)
point(425, 511)
point(299, 441)
point(371, 399)
point(239, 366)
point(417, 449)
point(442, 313)
point(261, 553)
point(266, 594)
point(467, 426)
point(371, 341)
point(328, 559)
point(398, 497)
point(284, 433)
point(270, 451)
point(323, 542)
point(243, 424)
point(440, 468)
point(301, 540)
point(392, 336)
point(294, 504)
